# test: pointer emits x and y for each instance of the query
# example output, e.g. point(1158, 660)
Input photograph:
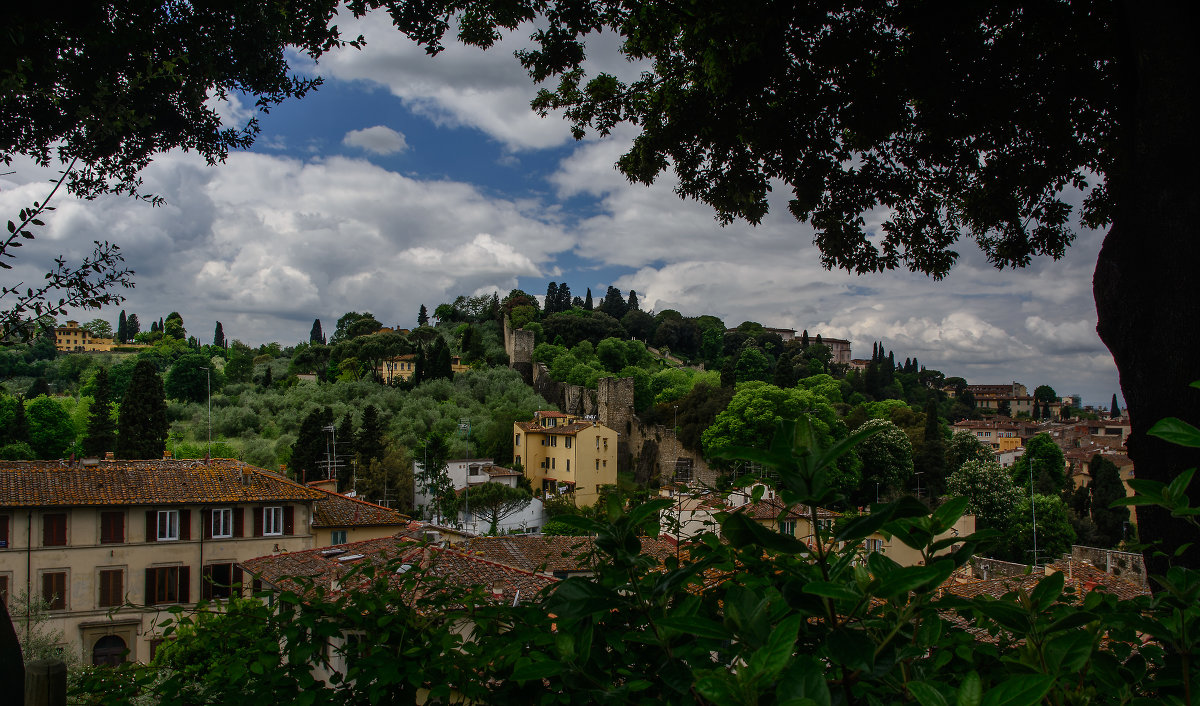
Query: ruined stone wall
point(985, 568)
point(670, 452)
point(1126, 565)
point(572, 399)
point(518, 344)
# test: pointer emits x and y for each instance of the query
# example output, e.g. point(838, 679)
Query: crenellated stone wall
point(518, 344)
point(1126, 565)
point(985, 568)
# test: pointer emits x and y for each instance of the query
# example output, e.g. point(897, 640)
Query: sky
point(409, 180)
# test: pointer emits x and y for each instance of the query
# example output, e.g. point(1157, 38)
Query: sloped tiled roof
point(336, 510)
point(322, 567)
point(543, 553)
point(770, 509)
point(1080, 576)
point(573, 428)
point(165, 482)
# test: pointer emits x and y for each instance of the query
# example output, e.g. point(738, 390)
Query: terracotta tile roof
point(770, 509)
point(498, 472)
point(573, 428)
point(548, 413)
point(55, 483)
point(335, 510)
point(541, 553)
point(1080, 576)
point(329, 565)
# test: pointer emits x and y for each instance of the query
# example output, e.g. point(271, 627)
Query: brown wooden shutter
point(185, 584)
point(3, 531)
point(185, 525)
point(206, 516)
point(206, 577)
point(237, 580)
point(151, 526)
point(151, 586)
point(258, 520)
point(239, 522)
point(289, 519)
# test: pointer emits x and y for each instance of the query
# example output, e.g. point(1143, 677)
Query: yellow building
point(403, 367)
point(564, 453)
point(72, 339)
point(112, 546)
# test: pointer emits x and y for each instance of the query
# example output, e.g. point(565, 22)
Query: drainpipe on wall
point(28, 569)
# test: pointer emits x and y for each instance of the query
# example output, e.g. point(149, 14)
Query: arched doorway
point(110, 650)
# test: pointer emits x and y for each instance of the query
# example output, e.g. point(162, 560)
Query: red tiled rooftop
point(336, 510)
point(161, 482)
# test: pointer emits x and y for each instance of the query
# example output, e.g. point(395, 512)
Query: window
point(337, 537)
point(788, 527)
point(54, 590)
point(54, 530)
point(517, 440)
point(568, 465)
point(5, 581)
point(597, 464)
point(272, 521)
point(112, 587)
point(222, 522)
point(220, 581)
point(567, 442)
point(873, 545)
point(167, 584)
point(168, 525)
point(3, 531)
point(597, 442)
point(554, 441)
point(825, 525)
point(112, 527)
point(518, 460)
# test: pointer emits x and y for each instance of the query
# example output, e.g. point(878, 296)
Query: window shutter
point(237, 580)
point(48, 589)
point(289, 519)
point(185, 584)
point(3, 531)
point(206, 583)
point(239, 522)
point(151, 526)
point(151, 586)
point(185, 524)
point(258, 520)
point(206, 516)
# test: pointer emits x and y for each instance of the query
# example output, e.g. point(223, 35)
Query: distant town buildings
point(565, 453)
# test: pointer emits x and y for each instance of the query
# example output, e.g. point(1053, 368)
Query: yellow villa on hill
point(565, 453)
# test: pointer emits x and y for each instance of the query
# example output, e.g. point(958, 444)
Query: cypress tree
point(633, 302)
point(219, 336)
point(132, 327)
point(423, 316)
point(316, 335)
point(1106, 487)
point(551, 298)
point(564, 297)
point(345, 449)
point(142, 419)
point(267, 380)
point(122, 328)
point(804, 339)
point(932, 461)
point(587, 301)
point(101, 429)
point(308, 453)
point(1114, 410)
point(19, 432)
point(369, 443)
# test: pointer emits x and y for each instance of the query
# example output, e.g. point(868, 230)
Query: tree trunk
point(1145, 285)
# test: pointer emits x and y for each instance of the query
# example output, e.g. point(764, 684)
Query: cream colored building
point(565, 453)
point(405, 366)
point(338, 519)
point(112, 545)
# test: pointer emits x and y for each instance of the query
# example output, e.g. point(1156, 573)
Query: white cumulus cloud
point(379, 139)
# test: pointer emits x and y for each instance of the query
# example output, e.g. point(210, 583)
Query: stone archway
point(110, 650)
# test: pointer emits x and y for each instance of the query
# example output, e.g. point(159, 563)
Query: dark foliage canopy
point(142, 419)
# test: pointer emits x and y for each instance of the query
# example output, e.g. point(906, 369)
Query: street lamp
point(676, 421)
point(208, 376)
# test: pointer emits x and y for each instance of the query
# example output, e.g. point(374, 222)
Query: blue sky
point(408, 180)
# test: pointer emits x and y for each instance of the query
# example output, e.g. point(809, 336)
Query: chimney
point(109, 456)
point(247, 477)
point(166, 454)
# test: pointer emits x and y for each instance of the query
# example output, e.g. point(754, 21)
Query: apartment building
point(566, 453)
point(72, 339)
point(112, 545)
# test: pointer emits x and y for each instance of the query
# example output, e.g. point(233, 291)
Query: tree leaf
point(1025, 690)
point(1176, 431)
point(970, 691)
point(926, 695)
point(695, 625)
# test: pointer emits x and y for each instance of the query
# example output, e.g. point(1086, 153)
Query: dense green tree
point(51, 432)
point(575, 327)
point(369, 444)
point(132, 327)
point(240, 365)
point(1055, 535)
point(433, 479)
point(1045, 393)
point(173, 326)
point(98, 328)
point(887, 462)
point(309, 451)
point(587, 301)
point(613, 303)
point(101, 435)
point(315, 335)
point(188, 379)
point(122, 329)
point(142, 417)
point(1003, 408)
point(632, 303)
point(1045, 460)
point(752, 364)
point(40, 387)
point(423, 316)
point(352, 325)
point(388, 479)
point(495, 502)
point(346, 452)
point(219, 336)
point(965, 446)
point(1106, 488)
point(990, 490)
point(932, 459)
